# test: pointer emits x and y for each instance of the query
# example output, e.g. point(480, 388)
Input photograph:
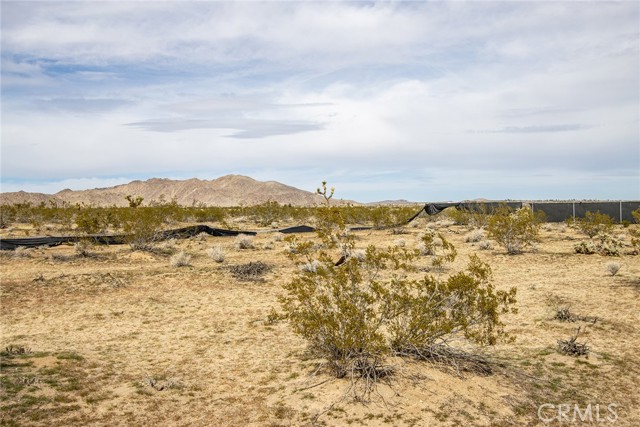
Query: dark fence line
point(561, 211)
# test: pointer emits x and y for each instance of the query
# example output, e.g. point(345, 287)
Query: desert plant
point(474, 236)
point(358, 313)
point(604, 245)
point(217, 253)
point(572, 347)
point(608, 245)
point(593, 224)
point(514, 230)
point(134, 202)
point(564, 314)
point(251, 271)
point(485, 245)
point(458, 217)
point(585, 248)
point(181, 259)
point(310, 267)
point(438, 247)
point(22, 252)
point(83, 248)
point(634, 231)
point(142, 227)
point(244, 241)
point(613, 267)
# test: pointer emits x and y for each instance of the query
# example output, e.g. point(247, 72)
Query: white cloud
point(359, 92)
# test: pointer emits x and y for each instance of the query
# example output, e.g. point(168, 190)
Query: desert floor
point(122, 338)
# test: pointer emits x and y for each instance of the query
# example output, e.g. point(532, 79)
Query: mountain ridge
point(225, 191)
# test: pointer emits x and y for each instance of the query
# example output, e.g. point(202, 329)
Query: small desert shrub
point(572, 347)
point(474, 236)
point(142, 227)
point(485, 245)
point(400, 243)
point(22, 252)
point(350, 252)
point(181, 259)
point(438, 247)
point(564, 314)
point(457, 217)
point(634, 231)
point(444, 223)
point(217, 253)
point(244, 241)
point(605, 245)
point(609, 246)
point(593, 224)
point(585, 248)
point(278, 237)
point(514, 230)
point(613, 267)
point(399, 230)
point(83, 248)
point(250, 271)
point(201, 237)
point(268, 245)
point(310, 267)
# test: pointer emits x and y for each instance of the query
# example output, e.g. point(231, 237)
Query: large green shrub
point(514, 231)
point(358, 311)
point(593, 224)
point(141, 226)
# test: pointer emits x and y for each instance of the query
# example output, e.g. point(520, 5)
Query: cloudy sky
point(426, 101)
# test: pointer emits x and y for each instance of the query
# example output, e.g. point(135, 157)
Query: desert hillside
point(229, 190)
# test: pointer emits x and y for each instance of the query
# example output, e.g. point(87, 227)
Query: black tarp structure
point(436, 208)
point(561, 211)
point(555, 212)
point(117, 239)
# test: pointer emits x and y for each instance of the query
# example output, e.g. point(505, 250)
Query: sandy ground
point(123, 338)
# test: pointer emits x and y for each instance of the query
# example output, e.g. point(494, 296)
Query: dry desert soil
point(123, 338)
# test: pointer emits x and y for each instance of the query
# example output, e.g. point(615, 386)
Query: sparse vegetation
point(251, 271)
point(514, 231)
point(244, 241)
point(217, 253)
point(367, 308)
point(181, 259)
point(476, 235)
point(124, 325)
point(572, 347)
point(613, 267)
point(594, 224)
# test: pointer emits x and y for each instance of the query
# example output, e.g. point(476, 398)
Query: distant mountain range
point(229, 190)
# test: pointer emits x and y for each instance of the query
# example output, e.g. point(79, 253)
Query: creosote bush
point(370, 307)
point(514, 231)
point(142, 226)
point(593, 224)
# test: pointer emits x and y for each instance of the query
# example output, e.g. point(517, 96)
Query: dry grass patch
point(99, 327)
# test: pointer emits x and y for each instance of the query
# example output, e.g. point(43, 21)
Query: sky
point(424, 101)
